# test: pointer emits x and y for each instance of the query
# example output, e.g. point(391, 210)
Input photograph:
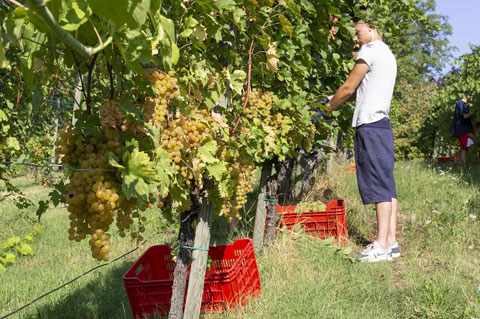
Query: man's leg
point(384, 213)
point(462, 157)
point(393, 222)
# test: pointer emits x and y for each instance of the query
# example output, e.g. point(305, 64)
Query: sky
point(463, 17)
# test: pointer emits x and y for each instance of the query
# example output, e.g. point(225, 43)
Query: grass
point(57, 260)
point(437, 277)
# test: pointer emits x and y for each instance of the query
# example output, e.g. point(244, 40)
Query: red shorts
point(466, 141)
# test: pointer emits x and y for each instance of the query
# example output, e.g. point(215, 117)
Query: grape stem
point(88, 99)
point(20, 88)
point(112, 89)
point(186, 164)
point(249, 74)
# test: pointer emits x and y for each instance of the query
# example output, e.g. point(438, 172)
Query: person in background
point(462, 126)
point(370, 84)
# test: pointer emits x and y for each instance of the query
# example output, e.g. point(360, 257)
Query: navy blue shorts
point(374, 159)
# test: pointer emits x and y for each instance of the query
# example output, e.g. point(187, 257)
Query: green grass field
point(437, 277)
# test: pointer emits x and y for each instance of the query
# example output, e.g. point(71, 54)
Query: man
point(462, 126)
point(371, 84)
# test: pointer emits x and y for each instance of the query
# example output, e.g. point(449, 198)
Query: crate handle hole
point(139, 269)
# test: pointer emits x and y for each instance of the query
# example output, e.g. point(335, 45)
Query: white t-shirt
point(374, 93)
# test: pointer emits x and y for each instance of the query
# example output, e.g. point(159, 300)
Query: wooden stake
point(199, 263)
point(259, 229)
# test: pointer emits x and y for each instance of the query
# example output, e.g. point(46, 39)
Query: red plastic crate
point(329, 223)
point(232, 277)
point(442, 160)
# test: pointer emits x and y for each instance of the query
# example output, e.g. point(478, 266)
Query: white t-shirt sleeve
point(374, 94)
point(365, 54)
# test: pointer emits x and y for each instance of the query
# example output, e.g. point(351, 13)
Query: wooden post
point(299, 172)
point(233, 225)
point(199, 263)
point(78, 98)
point(259, 228)
point(340, 150)
point(55, 136)
point(305, 173)
point(330, 144)
point(272, 187)
point(185, 238)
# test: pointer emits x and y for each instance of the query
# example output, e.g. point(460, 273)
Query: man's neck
point(464, 100)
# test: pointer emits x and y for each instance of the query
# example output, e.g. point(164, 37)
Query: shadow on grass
point(103, 297)
point(355, 235)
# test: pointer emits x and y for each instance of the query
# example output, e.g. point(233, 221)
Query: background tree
point(421, 49)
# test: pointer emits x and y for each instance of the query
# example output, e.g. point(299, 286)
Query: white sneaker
point(394, 250)
point(373, 253)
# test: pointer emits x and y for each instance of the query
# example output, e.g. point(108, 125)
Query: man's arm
point(348, 90)
point(468, 115)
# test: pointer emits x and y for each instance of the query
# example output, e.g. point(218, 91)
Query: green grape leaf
point(57, 195)
point(130, 12)
point(212, 96)
point(113, 161)
point(12, 142)
point(135, 48)
point(169, 27)
point(10, 242)
point(132, 111)
point(236, 80)
point(3, 60)
point(42, 208)
point(139, 164)
point(286, 24)
point(19, 14)
point(77, 15)
point(3, 116)
point(217, 170)
point(225, 188)
point(215, 199)
point(164, 169)
point(225, 4)
point(25, 249)
point(350, 29)
point(87, 122)
point(207, 151)
point(137, 188)
point(164, 41)
point(347, 250)
point(9, 258)
point(138, 173)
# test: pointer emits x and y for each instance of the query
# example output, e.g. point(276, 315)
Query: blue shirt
point(461, 126)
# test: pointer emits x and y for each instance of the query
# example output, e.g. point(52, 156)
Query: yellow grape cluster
point(260, 103)
point(242, 173)
point(181, 138)
point(125, 215)
point(93, 197)
point(261, 109)
point(304, 207)
point(112, 118)
point(278, 123)
point(111, 114)
point(165, 84)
